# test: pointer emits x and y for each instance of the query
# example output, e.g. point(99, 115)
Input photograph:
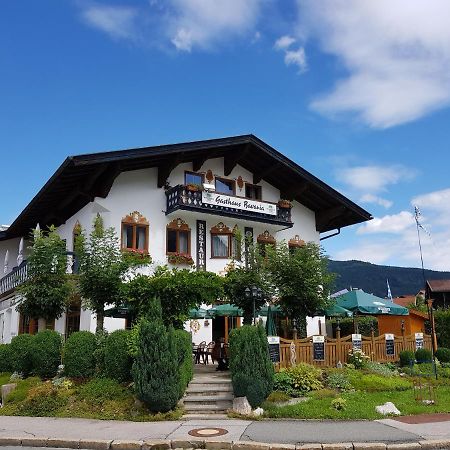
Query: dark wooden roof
point(439, 285)
point(81, 178)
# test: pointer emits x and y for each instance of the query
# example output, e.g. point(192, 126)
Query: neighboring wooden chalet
point(182, 199)
point(439, 290)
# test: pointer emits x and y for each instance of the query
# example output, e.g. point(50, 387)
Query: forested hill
point(372, 278)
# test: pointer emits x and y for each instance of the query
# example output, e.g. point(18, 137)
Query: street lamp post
point(255, 293)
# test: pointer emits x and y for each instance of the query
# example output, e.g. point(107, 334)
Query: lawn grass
point(360, 405)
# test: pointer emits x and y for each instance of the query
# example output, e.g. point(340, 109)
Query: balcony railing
point(20, 273)
point(182, 198)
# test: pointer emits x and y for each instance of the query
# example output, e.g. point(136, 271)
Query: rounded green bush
point(21, 350)
point(407, 358)
point(443, 354)
point(46, 355)
point(5, 358)
point(423, 355)
point(117, 360)
point(78, 358)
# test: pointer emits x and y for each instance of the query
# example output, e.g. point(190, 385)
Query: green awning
point(271, 329)
point(361, 302)
point(197, 313)
point(225, 310)
point(120, 312)
point(337, 311)
point(274, 309)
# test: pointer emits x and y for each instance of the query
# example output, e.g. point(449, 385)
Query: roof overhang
point(81, 178)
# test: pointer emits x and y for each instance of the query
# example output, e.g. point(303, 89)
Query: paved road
point(282, 431)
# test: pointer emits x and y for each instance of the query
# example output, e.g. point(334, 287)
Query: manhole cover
point(207, 432)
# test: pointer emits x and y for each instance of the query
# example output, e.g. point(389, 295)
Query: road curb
point(191, 444)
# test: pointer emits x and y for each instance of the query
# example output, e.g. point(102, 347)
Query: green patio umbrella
point(225, 310)
point(274, 309)
point(271, 329)
point(361, 302)
point(337, 311)
point(197, 313)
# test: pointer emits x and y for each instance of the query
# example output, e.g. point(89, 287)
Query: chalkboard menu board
point(390, 347)
point(319, 348)
point(357, 342)
point(419, 340)
point(274, 348)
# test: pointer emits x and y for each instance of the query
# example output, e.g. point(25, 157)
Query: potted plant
point(193, 187)
point(284, 204)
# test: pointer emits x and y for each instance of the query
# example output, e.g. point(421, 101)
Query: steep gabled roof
point(81, 178)
point(439, 285)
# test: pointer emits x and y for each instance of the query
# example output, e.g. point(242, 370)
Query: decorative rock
point(387, 409)
point(258, 412)
point(242, 406)
point(6, 389)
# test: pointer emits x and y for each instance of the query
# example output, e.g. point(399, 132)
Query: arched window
point(263, 240)
point(135, 232)
point(221, 238)
point(178, 239)
point(295, 243)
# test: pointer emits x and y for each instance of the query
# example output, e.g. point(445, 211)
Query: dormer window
point(253, 191)
point(224, 186)
point(135, 232)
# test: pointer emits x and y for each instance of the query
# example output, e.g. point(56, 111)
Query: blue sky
point(357, 92)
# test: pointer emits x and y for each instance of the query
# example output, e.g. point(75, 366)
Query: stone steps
point(210, 393)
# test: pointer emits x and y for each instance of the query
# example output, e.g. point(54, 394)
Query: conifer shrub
point(21, 350)
point(117, 359)
point(5, 358)
point(155, 368)
point(407, 358)
point(251, 369)
point(78, 357)
point(184, 356)
point(46, 353)
point(423, 355)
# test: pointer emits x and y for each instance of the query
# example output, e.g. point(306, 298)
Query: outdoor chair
point(209, 352)
point(200, 352)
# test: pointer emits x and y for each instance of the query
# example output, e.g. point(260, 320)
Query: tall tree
point(46, 290)
point(301, 279)
point(102, 269)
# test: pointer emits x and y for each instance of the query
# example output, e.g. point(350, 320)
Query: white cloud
point(117, 21)
point(437, 200)
point(296, 57)
point(396, 53)
point(374, 178)
point(396, 223)
point(205, 23)
point(284, 42)
point(370, 198)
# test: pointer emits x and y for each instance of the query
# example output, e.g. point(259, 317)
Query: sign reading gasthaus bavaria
point(227, 201)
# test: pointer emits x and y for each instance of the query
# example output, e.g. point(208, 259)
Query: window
point(193, 178)
point(178, 238)
point(221, 238)
point(27, 325)
point(252, 191)
point(224, 186)
point(135, 232)
point(264, 240)
point(73, 318)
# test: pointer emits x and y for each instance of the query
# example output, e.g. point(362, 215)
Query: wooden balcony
point(181, 198)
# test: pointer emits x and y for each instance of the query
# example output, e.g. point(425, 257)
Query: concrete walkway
point(269, 431)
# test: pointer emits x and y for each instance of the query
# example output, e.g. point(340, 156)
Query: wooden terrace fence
point(301, 350)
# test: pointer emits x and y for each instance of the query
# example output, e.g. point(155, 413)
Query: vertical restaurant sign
point(390, 347)
point(201, 245)
point(419, 340)
point(318, 348)
point(357, 342)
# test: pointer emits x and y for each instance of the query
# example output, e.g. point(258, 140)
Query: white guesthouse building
point(174, 202)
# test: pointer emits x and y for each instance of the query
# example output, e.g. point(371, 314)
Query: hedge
point(365, 324)
point(443, 354)
point(442, 323)
point(21, 350)
point(116, 358)
point(78, 355)
point(46, 353)
point(183, 346)
point(5, 358)
point(252, 371)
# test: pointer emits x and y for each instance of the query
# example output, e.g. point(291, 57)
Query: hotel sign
point(244, 204)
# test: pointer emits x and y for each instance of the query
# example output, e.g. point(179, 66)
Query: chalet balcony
point(182, 198)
